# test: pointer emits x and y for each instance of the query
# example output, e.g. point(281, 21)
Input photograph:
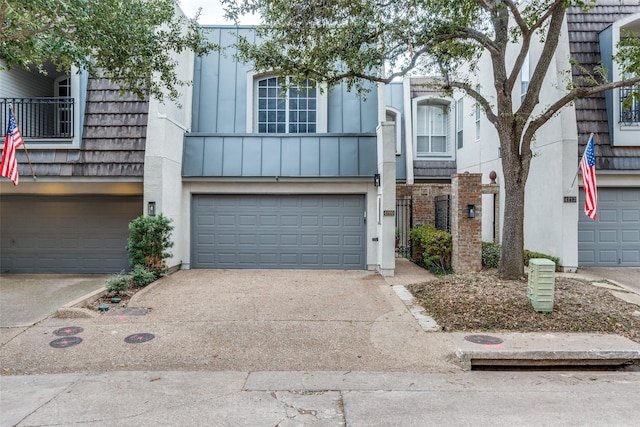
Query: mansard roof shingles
point(113, 138)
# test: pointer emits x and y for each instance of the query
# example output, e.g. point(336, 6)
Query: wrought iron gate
point(404, 224)
point(443, 212)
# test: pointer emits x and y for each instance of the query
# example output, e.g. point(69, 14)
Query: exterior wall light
point(471, 211)
point(376, 180)
point(151, 209)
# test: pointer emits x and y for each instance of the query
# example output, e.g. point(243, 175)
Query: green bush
point(118, 282)
point(432, 247)
point(490, 255)
point(530, 255)
point(149, 241)
point(142, 276)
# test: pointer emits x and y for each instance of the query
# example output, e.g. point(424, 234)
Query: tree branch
point(580, 92)
point(469, 90)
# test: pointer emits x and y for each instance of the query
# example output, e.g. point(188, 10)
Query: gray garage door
point(65, 234)
point(278, 231)
point(613, 239)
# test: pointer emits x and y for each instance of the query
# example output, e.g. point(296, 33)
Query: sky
point(212, 12)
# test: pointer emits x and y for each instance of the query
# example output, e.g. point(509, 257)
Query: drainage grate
point(65, 342)
point(68, 331)
point(139, 338)
point(483, 339)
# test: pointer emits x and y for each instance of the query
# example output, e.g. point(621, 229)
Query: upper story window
point(525, 77)
point(45, 106)
point(431, 129)
point(460, 122)
point(294, 111)
point(630, 106)
point(623, 111)
point(477, 116)
point(393, 115)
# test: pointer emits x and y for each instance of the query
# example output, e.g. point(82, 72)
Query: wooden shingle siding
point(113, 138)
point(591, 113)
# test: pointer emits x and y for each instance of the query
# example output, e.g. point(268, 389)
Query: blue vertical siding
point(220, 93)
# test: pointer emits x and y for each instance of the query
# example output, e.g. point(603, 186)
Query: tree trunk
point(511, 256)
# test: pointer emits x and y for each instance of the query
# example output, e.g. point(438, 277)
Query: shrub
point(149, 241)
point(490, 255)
point(530, 255)
point(142, 276)
point(432, 247)
point(118, 282)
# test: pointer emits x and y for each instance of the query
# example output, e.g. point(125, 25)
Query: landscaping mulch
point(484, 302)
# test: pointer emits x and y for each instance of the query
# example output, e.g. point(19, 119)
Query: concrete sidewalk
point(321, 399)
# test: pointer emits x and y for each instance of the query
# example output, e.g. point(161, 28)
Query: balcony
point(629, 116)
point(47, 118)
point(290, 155)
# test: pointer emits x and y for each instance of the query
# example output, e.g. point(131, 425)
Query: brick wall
point(423, 197)
point(466, 189)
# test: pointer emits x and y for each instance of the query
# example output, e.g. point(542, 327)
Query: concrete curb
point(545, 350)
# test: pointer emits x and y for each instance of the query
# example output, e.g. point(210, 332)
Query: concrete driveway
point(625, 276)
point(26, 299)
point(245, 320)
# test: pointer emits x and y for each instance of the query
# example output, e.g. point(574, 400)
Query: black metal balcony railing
point(631, 114)
point(40, 118)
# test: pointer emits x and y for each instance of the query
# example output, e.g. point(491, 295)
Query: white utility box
point(541, 284)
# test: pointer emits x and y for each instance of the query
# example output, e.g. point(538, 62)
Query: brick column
point(466, 189)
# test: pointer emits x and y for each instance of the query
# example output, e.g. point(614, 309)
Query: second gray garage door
point(278, 231)
point(74, 234)
point(613, 239)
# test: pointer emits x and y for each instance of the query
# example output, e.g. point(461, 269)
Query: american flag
point(588, 169)
point(12, 140)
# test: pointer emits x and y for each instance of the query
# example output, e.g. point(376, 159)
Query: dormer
point(624, 120)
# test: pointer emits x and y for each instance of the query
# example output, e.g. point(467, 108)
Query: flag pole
point(24, 145)
point(576, 176)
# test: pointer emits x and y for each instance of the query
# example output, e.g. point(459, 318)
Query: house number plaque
point(389, 213)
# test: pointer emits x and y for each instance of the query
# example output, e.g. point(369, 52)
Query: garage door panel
point(291, 231)
point(613, 239)
point(66, 234)
point(631, 256)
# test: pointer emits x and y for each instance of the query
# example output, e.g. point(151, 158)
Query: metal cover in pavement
point(139, 338)
point(483, 339)
point(68, 331)
point(65, 342)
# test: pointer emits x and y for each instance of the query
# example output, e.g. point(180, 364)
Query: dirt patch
point(108, 300)
point(483, 302)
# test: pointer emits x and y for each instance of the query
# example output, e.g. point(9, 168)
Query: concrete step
point(544, 349)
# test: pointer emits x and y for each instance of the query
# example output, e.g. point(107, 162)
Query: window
point(64, 109)
point(477, 116)
point(393, 115)
point(460, 122)
point(431, 129)
point(525, 77)
point(294, 112)
point(629, 114)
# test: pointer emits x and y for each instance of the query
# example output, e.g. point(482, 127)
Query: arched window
point(431, 129)
point(294, 111)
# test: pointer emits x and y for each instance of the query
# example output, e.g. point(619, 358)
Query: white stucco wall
point(167, 123)
point(550, 225)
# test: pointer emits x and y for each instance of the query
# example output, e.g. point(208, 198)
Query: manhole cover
point(138, 338)
point(65, 342)
point(483, 339)
point(69, 330)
